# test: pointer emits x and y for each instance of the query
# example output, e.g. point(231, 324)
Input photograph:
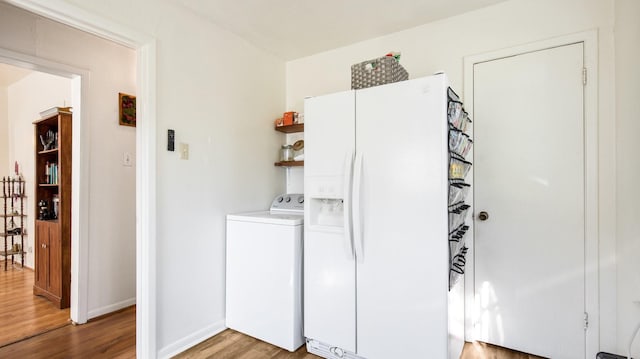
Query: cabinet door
point(42, 258)
point(54, 252)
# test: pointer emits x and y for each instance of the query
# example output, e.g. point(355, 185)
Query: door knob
point(483, 216)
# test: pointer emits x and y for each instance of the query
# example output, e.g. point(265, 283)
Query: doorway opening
point(24, 93)
point(100, 255)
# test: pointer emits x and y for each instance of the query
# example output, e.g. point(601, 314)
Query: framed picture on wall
point(127, 109)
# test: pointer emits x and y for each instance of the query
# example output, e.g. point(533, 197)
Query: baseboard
point(111, 308)
point(191, 340)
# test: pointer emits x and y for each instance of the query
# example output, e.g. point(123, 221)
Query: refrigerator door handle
point(357, 207)
point(348, 177)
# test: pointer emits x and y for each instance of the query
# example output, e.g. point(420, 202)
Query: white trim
point(590, 40)
point(146, 203)
point(145, 46)
point(191, 340)
point(80, 202)
point(111, 308)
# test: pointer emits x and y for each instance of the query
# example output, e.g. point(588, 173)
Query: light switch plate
point(183, 148)
point(127, 159)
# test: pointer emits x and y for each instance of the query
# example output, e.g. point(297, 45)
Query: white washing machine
point(264, 272)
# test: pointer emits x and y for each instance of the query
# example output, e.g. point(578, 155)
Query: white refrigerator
point(376, 254)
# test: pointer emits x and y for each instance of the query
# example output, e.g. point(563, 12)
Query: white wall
point(111, 69)
point(221, 95)
point(5, 169)
point(26, 98)
point(442, 46)
point(627, 41)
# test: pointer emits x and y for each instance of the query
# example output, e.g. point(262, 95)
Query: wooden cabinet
point(49, 275)
point(53, 208)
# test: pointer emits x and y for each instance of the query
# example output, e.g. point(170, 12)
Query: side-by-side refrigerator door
point(329, 265)
point(400, 220)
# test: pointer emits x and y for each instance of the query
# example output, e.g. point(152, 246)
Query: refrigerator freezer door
point(329, 266)
point(329, 133)
point(402, 279)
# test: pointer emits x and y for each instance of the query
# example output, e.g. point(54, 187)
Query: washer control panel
point(290, 202)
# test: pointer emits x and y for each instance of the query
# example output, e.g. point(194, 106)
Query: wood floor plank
point(112, 336)
point(22, 314)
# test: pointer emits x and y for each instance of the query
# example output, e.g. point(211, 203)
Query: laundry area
point(337, 179)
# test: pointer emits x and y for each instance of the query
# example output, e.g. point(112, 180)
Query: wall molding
point(111, 308)
point(191, 340)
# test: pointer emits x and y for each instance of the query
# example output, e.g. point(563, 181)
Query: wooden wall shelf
point(291, 128)
point(289, 163)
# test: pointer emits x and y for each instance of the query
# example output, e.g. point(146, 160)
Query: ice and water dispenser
point(326, 203)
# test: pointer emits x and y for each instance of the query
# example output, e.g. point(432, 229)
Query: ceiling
point(11, 74)
point(297, 28)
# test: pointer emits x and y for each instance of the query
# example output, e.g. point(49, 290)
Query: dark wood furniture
point(53, 208)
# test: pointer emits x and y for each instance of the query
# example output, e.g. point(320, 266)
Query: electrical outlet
point(183, 148)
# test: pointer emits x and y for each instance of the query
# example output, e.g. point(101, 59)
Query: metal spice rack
point(13, 231)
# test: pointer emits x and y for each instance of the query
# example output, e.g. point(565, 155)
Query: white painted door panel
point(401, 136)
point(529, 177)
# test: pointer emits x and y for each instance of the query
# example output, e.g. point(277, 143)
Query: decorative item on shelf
point(50, 173)
point(126, 110)
point(50, 141)
point(56, 205)
point(43, 213)
point(287, 118)
point(286, 153)
point(298, 150)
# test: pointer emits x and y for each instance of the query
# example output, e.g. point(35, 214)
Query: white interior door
point(529, 178)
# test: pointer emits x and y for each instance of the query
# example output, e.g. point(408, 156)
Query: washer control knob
point(301, 199)
point(280, 199)
point(288, 199)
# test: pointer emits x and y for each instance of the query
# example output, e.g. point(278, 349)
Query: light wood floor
point(113, 335)
point(233, 345)
point(21, 313)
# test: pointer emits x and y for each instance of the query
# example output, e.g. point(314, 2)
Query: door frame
point(145, 47)
point(591, 251)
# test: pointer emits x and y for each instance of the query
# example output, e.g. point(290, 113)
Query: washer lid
point(268, 218)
